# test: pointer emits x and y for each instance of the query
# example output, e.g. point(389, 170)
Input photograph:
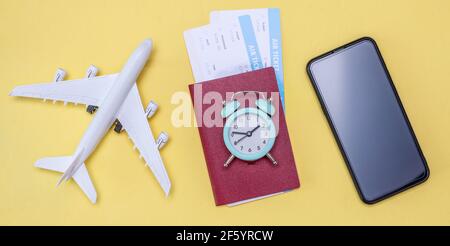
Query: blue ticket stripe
point(250, 42)
point(275, 48)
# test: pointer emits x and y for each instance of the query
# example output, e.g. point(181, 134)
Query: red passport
point(243, 180)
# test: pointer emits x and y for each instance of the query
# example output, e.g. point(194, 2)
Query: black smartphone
point(368, 120)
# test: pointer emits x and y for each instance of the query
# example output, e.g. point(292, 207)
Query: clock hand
point(240, 133)
point(236, 142)
point(256, 128)
point(247, 134)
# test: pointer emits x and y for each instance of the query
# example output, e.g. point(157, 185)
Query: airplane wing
point(89, 91)
point(134, 121)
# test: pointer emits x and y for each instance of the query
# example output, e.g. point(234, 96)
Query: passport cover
point(242, 181)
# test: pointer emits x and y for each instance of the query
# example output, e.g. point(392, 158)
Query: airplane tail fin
point(81, 176)
point(72, 168)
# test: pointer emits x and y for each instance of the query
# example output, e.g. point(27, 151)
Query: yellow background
point(36, 37)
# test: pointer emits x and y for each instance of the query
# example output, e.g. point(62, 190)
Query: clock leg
point(274, 162)
point(229, 160)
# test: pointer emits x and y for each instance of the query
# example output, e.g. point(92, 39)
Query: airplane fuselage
point(107, 112)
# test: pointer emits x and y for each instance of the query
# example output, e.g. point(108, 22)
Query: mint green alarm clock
point(249, 133)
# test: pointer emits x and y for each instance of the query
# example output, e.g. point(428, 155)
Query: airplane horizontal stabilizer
point(81, 176)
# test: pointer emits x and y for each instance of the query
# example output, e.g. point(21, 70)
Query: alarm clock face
point(249, 134)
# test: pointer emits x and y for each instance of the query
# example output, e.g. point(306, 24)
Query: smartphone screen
point(368, 120)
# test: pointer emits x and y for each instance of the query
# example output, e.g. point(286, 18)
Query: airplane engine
point(151, 109)
point(90, 73)
point(59, 75)
point(162, 139)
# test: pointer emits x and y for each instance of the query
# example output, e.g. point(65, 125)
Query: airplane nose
point(148, 43)
point(139, 57)
point(146, 47)
point(142, 52)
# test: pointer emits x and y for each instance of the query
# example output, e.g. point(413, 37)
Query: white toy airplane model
point(117, 98)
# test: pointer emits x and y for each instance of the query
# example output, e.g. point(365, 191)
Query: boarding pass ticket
point(236, 41)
